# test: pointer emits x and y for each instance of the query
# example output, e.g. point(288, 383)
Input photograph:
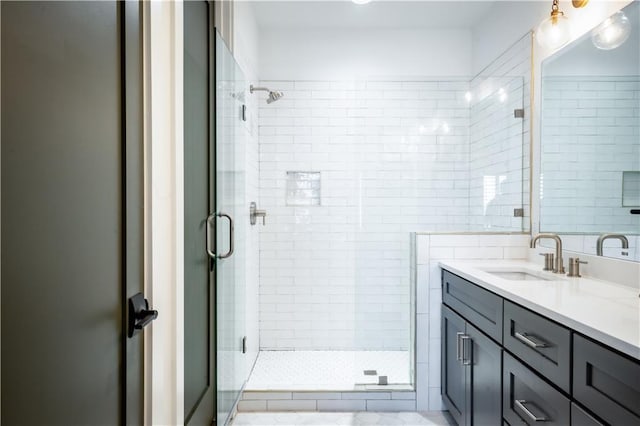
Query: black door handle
point(139, 314)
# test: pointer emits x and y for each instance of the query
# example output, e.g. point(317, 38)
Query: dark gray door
point(72, 211)
point(199, 337)
point(485, 385)
point(453, 371)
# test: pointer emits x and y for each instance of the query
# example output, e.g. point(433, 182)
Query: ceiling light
point(361, 1)
point(554, 32)
point(612, 32)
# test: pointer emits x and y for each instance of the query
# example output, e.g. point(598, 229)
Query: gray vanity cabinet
point(471, 366)
point(505, 364)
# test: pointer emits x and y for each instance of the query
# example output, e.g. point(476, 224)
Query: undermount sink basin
point(516, 275)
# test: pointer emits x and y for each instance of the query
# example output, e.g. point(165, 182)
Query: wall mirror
point(590, 138)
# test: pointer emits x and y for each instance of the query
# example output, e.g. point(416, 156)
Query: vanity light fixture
point(579, 3)
point(612, 32)
point(554, 32)
point(361, 1)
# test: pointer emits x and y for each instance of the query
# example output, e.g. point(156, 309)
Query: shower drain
point(382, 380)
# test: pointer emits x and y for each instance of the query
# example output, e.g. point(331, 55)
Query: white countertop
point(605, 311)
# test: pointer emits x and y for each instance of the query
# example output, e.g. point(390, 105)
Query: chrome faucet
point(602, 237)
point(559, 268)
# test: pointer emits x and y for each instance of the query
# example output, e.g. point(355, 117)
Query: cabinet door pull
point(530, 340)
point(467, 356)
point(459, 346)
point(520, 403)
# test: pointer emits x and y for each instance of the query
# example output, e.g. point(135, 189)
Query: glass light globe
point(554, 32)
point(612, 32)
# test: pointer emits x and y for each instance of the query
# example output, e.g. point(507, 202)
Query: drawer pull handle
point(459, 346)
point(530, 340)
point(520, 403)
point(466, 356)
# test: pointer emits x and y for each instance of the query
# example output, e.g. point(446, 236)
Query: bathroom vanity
point(524, 346)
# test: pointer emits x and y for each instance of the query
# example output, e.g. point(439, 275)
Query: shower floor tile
point(328, 370)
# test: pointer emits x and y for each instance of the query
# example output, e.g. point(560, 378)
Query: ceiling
point(387, 14)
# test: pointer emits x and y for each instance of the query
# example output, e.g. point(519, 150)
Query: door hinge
point(244, 345)
point(518, 113)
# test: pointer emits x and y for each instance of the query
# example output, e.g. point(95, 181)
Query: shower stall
point(345, 172)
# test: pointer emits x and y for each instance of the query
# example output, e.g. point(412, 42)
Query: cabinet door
point(453, 372)
point(485, 384)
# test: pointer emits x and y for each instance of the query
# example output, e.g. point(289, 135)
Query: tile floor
point(435, 418)
point(326, 370)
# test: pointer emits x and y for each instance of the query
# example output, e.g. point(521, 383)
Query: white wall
point(338, 54)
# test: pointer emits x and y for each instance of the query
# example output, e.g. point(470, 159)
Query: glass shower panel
point(497, 155)
point(230, 249)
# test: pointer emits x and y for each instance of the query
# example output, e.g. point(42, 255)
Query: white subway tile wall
point(499, 141)
point(431, 249)
point(393, 158)
point(590, 135)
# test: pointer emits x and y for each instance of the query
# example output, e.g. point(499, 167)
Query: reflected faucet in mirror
point(559, 267)
point(603, 237)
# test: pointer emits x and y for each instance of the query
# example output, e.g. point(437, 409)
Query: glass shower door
point(230, 203)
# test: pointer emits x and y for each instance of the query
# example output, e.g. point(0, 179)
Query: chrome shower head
point(274, 95)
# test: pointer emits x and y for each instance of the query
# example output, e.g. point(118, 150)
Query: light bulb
point(555, 31)
point(612, 32)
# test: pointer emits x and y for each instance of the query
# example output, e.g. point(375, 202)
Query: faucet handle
point(548, 261)
point(574, 266)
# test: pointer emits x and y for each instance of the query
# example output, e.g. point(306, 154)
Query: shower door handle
point(231, 237)
point(210, 223)
point(208, 226)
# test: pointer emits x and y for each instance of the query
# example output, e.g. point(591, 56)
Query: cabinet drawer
point(529, 399)
point(539, 342)
point(606, 382)
point(477, 305)
point(579, 417)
